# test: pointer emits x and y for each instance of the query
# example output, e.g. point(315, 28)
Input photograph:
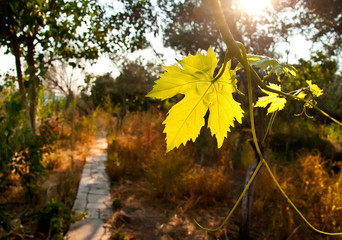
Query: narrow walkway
point(93, 195)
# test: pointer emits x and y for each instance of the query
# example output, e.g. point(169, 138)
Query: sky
point(298, 48)
point(104, 64)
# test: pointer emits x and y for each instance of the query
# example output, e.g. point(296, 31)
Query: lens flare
point(253, 7)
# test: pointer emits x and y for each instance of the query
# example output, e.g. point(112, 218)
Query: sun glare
point(254, 6)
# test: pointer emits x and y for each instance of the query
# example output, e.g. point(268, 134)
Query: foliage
point(139, 152)
point(189, 26)
point(206, 185)
point(116, 204)
point(54, 219)
point(323, 71)
point(166, 174)
point(127, 91)
point(21, 151)
point(317, 20)
point(85, 128)
point(334, 132)
point(5, 221)
point(118, 235)
point(42, 31)
point(276, 102)
point(26, 157)
point(49, 105)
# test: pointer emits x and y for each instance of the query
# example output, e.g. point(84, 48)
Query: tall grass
point(197, 174)
point(315, 191)
point(182, 174)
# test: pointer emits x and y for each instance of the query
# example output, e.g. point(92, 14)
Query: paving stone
point(83, 189)
point(99, 191)
point(96, 205)
point(86, 180)
point(80, 204)
point(93, 213)
point(104, 185)
point(97, 198)
point(93, 195)
point(89, 229)
point(82, 195)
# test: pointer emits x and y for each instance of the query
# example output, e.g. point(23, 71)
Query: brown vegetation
point(160, 194)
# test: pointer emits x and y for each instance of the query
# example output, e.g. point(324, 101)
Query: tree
point(319, 20)
point(190, 27)
point(323, 71)
point(128, 90)
point(42, 31)
point(102, 88)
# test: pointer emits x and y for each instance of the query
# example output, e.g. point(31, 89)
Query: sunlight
point(253, 7)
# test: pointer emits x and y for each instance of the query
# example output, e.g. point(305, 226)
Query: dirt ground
point(144, 216)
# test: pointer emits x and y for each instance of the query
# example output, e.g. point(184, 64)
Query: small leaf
point(276, 102)
point(264, 62)
point(316, 91)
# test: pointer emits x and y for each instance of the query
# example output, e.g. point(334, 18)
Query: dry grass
point(197, 175)
point(140, 152)
point(314, 191)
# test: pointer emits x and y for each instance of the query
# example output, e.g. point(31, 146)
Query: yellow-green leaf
point(316, 91)
point(193, 77)
point(276, 102)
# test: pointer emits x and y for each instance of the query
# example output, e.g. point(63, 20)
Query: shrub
point(334, 132)
point(54, 219)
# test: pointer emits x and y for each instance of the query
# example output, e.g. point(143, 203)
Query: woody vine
point(193, 77)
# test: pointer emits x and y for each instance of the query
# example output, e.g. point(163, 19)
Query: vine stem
point(238, 51)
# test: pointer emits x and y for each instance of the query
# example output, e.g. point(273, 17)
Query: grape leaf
point(314, 89)
point(277, 102)
point(264, 62)
point(193, 77)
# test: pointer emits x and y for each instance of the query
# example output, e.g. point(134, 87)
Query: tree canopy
point(41, 31)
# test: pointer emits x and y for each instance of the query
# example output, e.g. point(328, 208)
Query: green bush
point(334, 132)
point(21, 150)
point(54, 219)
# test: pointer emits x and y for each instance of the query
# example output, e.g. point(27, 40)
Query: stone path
point(93, 195)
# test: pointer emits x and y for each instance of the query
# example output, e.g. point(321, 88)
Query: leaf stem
point(226, 59)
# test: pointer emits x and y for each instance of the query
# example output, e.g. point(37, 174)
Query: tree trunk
point(33, 81)
point(16, 52)
point(17, 55)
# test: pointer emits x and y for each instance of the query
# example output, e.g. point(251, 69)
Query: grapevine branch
point(238, 51)
point(235, 51)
